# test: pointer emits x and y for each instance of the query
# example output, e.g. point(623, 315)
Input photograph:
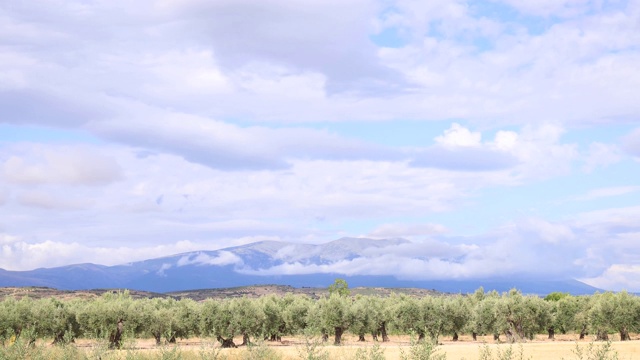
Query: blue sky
point(493, 134)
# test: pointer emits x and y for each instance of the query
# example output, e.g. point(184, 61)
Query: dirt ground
point(537, 349)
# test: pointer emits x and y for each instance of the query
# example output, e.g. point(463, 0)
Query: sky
point(499, 136)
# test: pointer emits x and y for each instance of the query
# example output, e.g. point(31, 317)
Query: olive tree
point(336, 315)
point(457, 314)
point(110, 316)
point(524, 316)
point(572, 314)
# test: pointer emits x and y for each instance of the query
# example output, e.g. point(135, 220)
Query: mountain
point(361, 262)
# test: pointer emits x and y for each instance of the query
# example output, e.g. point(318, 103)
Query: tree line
point(510, 316)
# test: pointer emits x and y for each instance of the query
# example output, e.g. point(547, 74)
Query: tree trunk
point(338, 337)
point(325, 337)
point(475, 336)
point(602, 336)
point(496, 337)
point(583, 332)
point(226, 343)
point(172, 339)
point(115, 340)
point(374, 336)
point(552, 333)
point(158, 337)
point(361, 338)
point(421, 336)
point(455, 336)
point(624, 334)
point(245, 339)
point(383, 332)
point(59, 338)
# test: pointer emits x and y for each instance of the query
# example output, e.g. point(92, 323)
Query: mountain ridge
point(268, 262)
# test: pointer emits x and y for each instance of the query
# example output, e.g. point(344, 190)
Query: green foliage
point(456, 315)
point(484, 317)
point(521, 317)
point(169, 353)
point(556, 296)
point(295, 315)
point(422, 350)
point(339, 287)
point(312, 349)
point(260, 351)
point(208, 351)
point(336, 315)
point(373, 353)
point(593, 352)
point(572, 314)
point(501, 353)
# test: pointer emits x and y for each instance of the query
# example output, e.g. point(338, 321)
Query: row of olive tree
point(512, 315)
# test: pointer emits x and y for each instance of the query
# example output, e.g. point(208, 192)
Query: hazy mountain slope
point(246, 265)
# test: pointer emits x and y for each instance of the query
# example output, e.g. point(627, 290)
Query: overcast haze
point(499, 136)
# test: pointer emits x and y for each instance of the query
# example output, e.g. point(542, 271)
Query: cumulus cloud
point(464, 159)
point(537, 151)
point(460, 149)
point(458, 135)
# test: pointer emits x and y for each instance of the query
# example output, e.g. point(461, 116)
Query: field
point(294, 348)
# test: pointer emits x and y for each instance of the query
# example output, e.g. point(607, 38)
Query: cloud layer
point(493, 134)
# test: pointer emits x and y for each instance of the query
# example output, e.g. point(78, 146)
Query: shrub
point(422, 350)
point(594, 352)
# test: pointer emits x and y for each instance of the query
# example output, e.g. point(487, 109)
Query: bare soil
point(465, 348)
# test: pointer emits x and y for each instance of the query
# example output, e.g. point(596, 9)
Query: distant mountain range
point(266, 262)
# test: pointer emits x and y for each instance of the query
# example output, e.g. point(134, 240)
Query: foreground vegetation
point(312, 348)
point(113, 318)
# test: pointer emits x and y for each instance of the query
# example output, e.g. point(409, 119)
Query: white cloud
point(17, 254)
point(458, 135)
point(541, 152)
point(617, 277)
point(48, 201)
point(223, 258)
point(72, 165)
point(600, 156)
point(541, 230)
point(226, 146)
point(163, 268)
point(505, 140)
point(6, 239)
point(607, 192)
point(402, 230)
point(232, 85)
point(564, 8)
